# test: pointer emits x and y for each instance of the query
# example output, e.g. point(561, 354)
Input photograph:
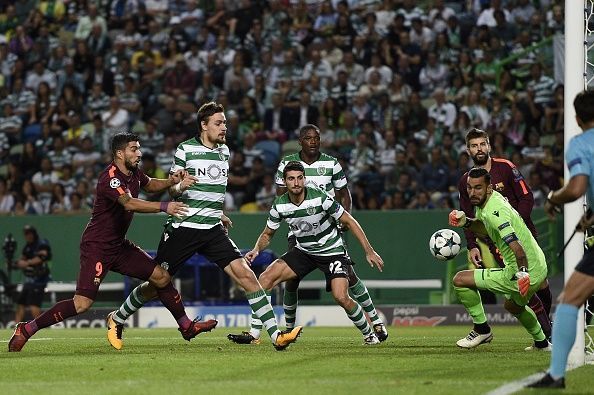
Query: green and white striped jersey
point(206, 197)
point(311, 222)
point(326, 173)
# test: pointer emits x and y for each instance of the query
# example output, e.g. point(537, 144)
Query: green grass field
point(323, 361)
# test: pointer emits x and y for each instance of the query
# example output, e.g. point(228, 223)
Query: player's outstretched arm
point(142, 206)
point(373, 258)
point(160, 184)
point(458, 218)
point(261, 244)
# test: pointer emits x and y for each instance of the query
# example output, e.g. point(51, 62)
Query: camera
point(9, 248)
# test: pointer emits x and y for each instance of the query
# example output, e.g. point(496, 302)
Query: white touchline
point(519, 385)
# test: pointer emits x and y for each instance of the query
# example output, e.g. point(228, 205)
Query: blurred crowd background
point(393, 86)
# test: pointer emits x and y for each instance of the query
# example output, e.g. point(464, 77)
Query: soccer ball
point(444, 244)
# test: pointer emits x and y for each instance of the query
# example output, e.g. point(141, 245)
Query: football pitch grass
point(420, 360)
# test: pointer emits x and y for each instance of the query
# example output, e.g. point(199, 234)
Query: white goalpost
point(577, 46)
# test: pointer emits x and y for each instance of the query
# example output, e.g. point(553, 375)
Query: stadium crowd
point(393, 86)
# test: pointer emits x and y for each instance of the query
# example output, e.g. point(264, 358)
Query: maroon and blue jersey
point(508, 181)
point(110, 220)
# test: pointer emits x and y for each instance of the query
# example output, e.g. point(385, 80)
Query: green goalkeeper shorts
point(503, 281)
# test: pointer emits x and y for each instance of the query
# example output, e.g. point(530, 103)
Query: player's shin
point(172, 300)
point(361, 294)
point(564, 331)
point(290, 307)
point(131, 305)
point(263, 311)
point(58, 313)
point(356, 315)
point(471, 300)
point(541, 314)
point(528, 320)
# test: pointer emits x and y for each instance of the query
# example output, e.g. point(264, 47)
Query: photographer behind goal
point(34, 262)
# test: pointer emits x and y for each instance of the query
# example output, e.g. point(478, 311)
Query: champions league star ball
point(444, 244)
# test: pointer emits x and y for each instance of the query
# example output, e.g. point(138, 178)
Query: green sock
point(262, 309)
point(131, 305)
point(471, 300)
point(290, 308)
point(529, 321)
point(361, 294)
point(356, 315)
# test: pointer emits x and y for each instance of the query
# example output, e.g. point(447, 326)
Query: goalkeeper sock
point(564, 329)
point(256, 324)
point(262, 308)
point(356, 315)
point(361, 294)
point(471, 300)
point(290, 308)
point(131, 305)
point(528, 320)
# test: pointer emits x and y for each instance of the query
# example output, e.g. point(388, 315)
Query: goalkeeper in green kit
point(525, 264)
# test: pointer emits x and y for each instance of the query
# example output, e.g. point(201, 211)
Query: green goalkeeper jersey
point(504, 225)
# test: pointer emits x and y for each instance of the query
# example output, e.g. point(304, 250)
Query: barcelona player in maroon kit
point(104, 246)
point(507, 180)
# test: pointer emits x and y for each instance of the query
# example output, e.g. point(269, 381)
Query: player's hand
point(250, 256)
point(187, 181)
point(176, 177)
point(227, 223)
point(551, 210)
point(523, 281)
point(374, 259)
point(586, 221)
point(475, 257)
point(177, 209)
point(457, 218)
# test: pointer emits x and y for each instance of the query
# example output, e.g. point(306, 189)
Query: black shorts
point(177, 245)
point(333, 266)
point(31, 295)
point(292, 243)
point(586, 265)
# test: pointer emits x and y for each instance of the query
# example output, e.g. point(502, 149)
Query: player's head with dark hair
point(478, 186)
point(294, 178)
point(478, 146)
point(309, 139)
point(212, 123)
point(293, 166)
point(584, 108)
point(206, 111)
point(125, 148)
point(475, 133)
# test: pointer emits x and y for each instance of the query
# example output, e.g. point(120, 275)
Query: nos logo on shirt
point(214, 172)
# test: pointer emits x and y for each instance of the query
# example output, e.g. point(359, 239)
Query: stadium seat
point(290, 147)
point(249, 208)
point(16, 149)
point(271, 152)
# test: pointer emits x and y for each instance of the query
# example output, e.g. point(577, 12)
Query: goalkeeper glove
point(458, 218)
point(523, 278)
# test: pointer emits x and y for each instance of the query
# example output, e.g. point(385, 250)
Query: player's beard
point(480, 162)
point(478, 203)
point(131, 165)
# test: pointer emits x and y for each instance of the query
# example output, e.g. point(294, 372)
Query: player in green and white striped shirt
point(204, 159)
point(312, 215)
point(325, 172)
